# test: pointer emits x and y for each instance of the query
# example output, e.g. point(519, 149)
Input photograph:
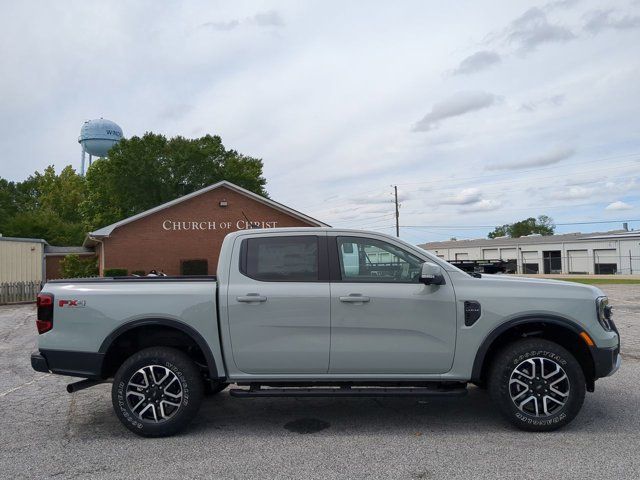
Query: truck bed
point(173, 278)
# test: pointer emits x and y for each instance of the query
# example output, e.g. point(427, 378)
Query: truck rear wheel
point(537, 384)
point(157, 392)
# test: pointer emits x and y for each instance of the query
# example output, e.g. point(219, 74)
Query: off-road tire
point(521, 354)
point(175, 363)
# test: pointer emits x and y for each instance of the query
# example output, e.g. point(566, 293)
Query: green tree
point(45, 205)
point(8, 205)
point(72, 266)
point(543, 225)
point(142, 172)
point(46, 225)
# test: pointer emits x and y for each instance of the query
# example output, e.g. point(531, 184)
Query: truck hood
point(541, 286)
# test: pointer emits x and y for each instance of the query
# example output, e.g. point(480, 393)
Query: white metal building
point(616, 252)
point(21, 259)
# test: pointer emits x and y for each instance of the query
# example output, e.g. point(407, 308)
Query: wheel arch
point(166, 325)
point(558, 329)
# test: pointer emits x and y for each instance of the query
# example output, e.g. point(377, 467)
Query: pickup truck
point(310, 312)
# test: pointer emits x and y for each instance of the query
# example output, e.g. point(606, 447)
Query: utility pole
point(395, 190)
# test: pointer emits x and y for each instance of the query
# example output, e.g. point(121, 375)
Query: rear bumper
point(67, 362)
point(39, 363)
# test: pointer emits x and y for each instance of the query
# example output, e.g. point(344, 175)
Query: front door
point(383, 320)
point(279, 305)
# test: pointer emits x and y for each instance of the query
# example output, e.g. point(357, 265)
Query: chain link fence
point(555, 264)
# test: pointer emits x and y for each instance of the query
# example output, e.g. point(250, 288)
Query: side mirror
point(431, 274)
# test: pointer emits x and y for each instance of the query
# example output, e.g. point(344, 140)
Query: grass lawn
point(601, 281)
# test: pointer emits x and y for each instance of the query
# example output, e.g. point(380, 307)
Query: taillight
point(44, 322)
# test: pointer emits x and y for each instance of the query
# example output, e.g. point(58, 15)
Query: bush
point(72, 266)
point(115, 272)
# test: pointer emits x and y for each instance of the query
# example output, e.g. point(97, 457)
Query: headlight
point(604, 312)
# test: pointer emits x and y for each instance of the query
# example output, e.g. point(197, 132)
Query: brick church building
point(184, 236)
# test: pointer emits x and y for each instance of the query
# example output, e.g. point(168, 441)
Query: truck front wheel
point(157, 392)
point(537, 384)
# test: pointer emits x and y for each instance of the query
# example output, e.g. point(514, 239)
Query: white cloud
point(477, 61)
point(574, 193)
point(558, 4)
point(270, 18)
point(549, 158)
point(328, 101)
point(599, 20)
point(466, 196)
point(619, 205)
point(379, 197)
point(222, 26)
point(454, 106)
point(533, 28)
point(550, 101)
point(485, 205)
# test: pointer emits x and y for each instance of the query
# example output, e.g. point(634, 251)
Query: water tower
point(97, 137)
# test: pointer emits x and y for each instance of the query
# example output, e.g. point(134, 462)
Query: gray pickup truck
point(311, 312)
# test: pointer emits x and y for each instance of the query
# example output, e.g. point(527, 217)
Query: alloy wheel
point(154, 393)
point(539, 387)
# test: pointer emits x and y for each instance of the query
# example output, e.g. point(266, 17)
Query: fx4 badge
point(72, 303)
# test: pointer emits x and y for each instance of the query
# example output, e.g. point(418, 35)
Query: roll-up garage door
point(530, 262)
point(579, 261)
point(462, 256)
point(508, 253)
point(606, 261)
point(490, 254)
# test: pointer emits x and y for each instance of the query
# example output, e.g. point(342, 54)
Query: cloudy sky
point(482, 113)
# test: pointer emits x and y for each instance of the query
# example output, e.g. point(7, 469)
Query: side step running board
point(347, 392)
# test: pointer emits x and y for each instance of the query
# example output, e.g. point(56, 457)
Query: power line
point(457, 182)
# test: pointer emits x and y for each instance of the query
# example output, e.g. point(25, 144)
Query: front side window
point(281, 259)
point(369, 260)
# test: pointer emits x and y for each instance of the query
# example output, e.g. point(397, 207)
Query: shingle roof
point(106, 231)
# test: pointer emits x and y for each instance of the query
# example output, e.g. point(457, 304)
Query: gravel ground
point(48, 433)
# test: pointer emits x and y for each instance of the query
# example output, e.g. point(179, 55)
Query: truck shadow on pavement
point(475, 413)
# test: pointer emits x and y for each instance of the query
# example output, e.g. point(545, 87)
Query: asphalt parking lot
point(47, 433)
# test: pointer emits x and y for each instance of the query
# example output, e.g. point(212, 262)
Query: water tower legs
point(82, 163)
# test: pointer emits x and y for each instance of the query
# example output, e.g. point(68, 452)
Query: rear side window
point(280, 259)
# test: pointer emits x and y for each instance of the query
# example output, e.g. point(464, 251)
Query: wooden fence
point(14, 292)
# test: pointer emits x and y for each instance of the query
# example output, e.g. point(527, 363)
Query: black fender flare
point(481, 354)
point(164, 322)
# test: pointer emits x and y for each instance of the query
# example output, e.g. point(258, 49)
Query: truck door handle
point(355, 298)
point(251, 297)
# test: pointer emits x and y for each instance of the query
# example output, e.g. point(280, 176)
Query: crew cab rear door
point(383, 320)
point(279, 304)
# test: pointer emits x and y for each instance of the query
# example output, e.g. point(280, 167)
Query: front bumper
point(606, 361)
point(67, 362)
